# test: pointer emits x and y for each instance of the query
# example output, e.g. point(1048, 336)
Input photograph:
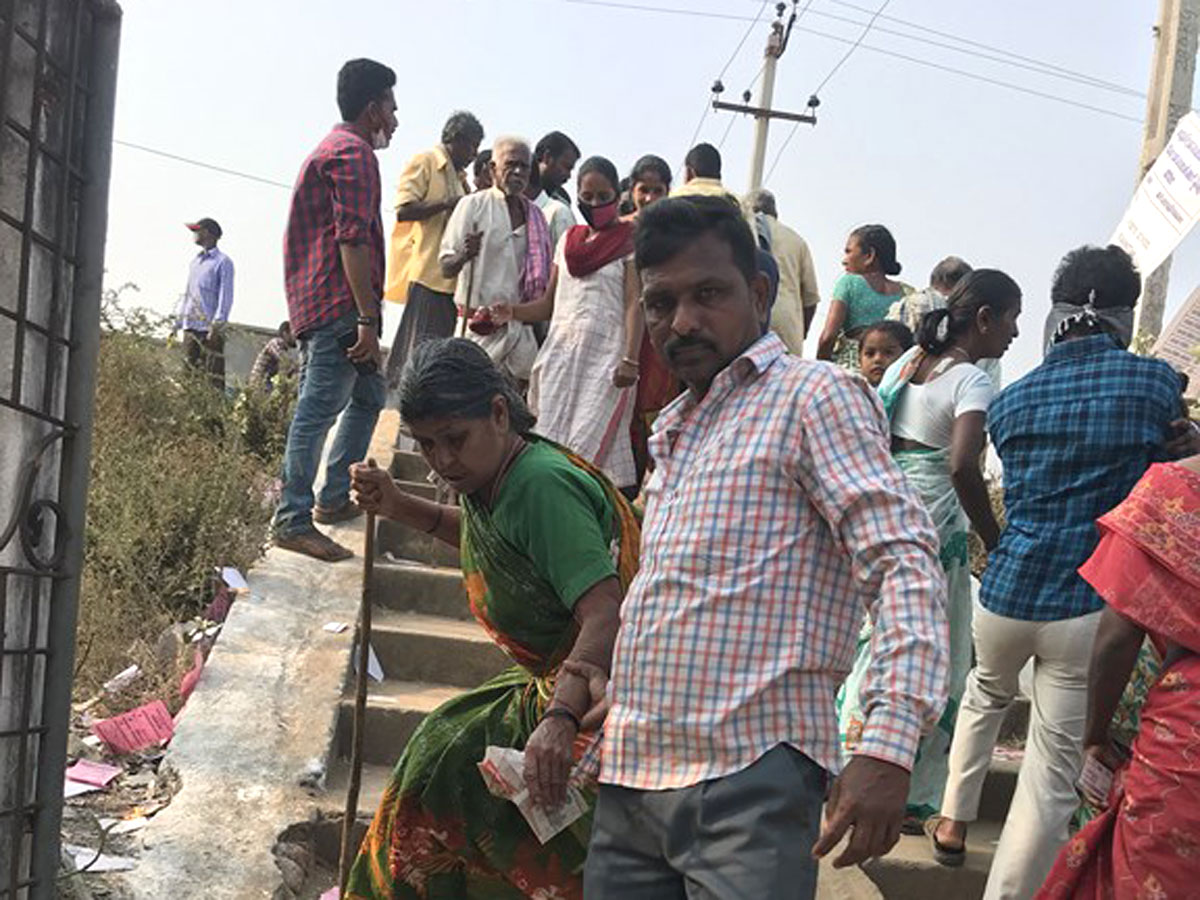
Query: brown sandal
point(951, 857)
point(314, 544)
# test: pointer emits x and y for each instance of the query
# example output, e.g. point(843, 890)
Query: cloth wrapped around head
point(1095, 288)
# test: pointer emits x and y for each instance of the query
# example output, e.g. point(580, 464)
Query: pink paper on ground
point(137, 729)
point(88, 772)
point(332, 894)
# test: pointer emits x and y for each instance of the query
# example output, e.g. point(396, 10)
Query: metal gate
point(57, 81)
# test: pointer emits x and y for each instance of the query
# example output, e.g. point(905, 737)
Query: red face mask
point(599, 216)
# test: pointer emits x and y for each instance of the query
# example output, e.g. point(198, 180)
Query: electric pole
point(763, 113)
point(1171, 74)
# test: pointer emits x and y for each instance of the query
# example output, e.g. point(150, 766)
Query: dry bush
point(175, 492)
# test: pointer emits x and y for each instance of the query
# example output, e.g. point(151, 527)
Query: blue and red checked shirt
point(336, 201)
point(1074, 436)
point(774, 517)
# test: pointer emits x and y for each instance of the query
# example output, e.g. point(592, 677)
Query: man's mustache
point(679, 345)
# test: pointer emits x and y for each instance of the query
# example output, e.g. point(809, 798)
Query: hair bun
point(893, 269)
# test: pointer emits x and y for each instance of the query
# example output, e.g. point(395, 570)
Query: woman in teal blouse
point(863, 295)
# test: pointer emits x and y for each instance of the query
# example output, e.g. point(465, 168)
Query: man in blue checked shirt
point(1074, 436)
point(205, 307)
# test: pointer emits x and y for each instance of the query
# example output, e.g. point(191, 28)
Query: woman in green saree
point(548, 547)
point(936, 399)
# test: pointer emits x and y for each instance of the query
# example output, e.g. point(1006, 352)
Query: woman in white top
point(582, 385)
point(936, 397)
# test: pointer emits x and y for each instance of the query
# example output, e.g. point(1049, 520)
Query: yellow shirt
point(797, 284)
point(429, 177)
point(704, 187)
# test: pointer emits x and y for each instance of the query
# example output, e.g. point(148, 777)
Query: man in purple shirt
point(205, 307)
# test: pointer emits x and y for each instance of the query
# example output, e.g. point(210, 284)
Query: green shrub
point(176, 490)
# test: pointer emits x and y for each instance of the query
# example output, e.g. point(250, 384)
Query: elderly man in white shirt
point(500, 242)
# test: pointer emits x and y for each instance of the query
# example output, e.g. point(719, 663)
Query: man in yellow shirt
point(702, 175)
point(432, 184)
point(798, 296)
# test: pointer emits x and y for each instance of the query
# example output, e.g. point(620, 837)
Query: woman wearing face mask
point(582, 385)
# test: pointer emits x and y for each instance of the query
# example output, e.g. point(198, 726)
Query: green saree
point(557, 528)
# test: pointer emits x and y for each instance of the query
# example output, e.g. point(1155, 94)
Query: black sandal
point(951, 857)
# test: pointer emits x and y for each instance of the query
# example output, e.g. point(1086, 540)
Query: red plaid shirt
point(336, 200)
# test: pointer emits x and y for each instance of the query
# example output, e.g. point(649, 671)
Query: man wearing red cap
point(205, 307)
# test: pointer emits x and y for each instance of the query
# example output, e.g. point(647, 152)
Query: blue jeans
point(329, 384)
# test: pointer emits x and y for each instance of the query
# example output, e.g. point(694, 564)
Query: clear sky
point(950, 164)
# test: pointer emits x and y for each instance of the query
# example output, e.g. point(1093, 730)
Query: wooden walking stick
point(360, 707)
point(467, 304)
point(470, 289)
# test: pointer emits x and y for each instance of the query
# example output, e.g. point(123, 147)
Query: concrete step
point(424, 489)
point(394, 710)
point(998, 788)
point(408, 543)
point(909, 872)
point(413, 587)
point(1016, 723)
point(409, 466)
point(434, 649)
point(373, 783)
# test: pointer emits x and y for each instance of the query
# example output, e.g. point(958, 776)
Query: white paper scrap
point(124, 826)
point(75, 788)
point(86, 856)
point(374, 669)
point(234, 579)
point(122, 679)
point(336, 627)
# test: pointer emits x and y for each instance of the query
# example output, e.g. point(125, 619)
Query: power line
point(973, 43)
point(732, 57)
point(858, 42)
point(202, 165)
point(1026, 63)
point(725, 136)
point(974, 76)
point(838, 65)
point(1017, 62)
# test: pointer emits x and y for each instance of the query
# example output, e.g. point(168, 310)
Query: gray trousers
point(747, 836)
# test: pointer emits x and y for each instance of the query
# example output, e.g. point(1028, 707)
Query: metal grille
point(57, 79)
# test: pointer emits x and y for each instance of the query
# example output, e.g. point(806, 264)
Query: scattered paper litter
point(234, 579)
point(124, 826)
point(91, 741)
point(137, 729)
point(94, 773)
point(75, 788)
point(374, 669)
point(336, 627)
point(334, 893)
point(86, 857)
point(503, 770)
point(122, 679)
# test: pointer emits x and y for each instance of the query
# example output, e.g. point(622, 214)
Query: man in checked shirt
point(774, 517)
point(333, 272)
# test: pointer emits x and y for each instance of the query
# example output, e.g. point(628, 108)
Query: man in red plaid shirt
point(333, 266)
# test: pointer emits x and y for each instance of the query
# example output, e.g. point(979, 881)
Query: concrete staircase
point(431, 648)
point(429, 645)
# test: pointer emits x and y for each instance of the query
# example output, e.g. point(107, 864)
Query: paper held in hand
point(502, 769)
